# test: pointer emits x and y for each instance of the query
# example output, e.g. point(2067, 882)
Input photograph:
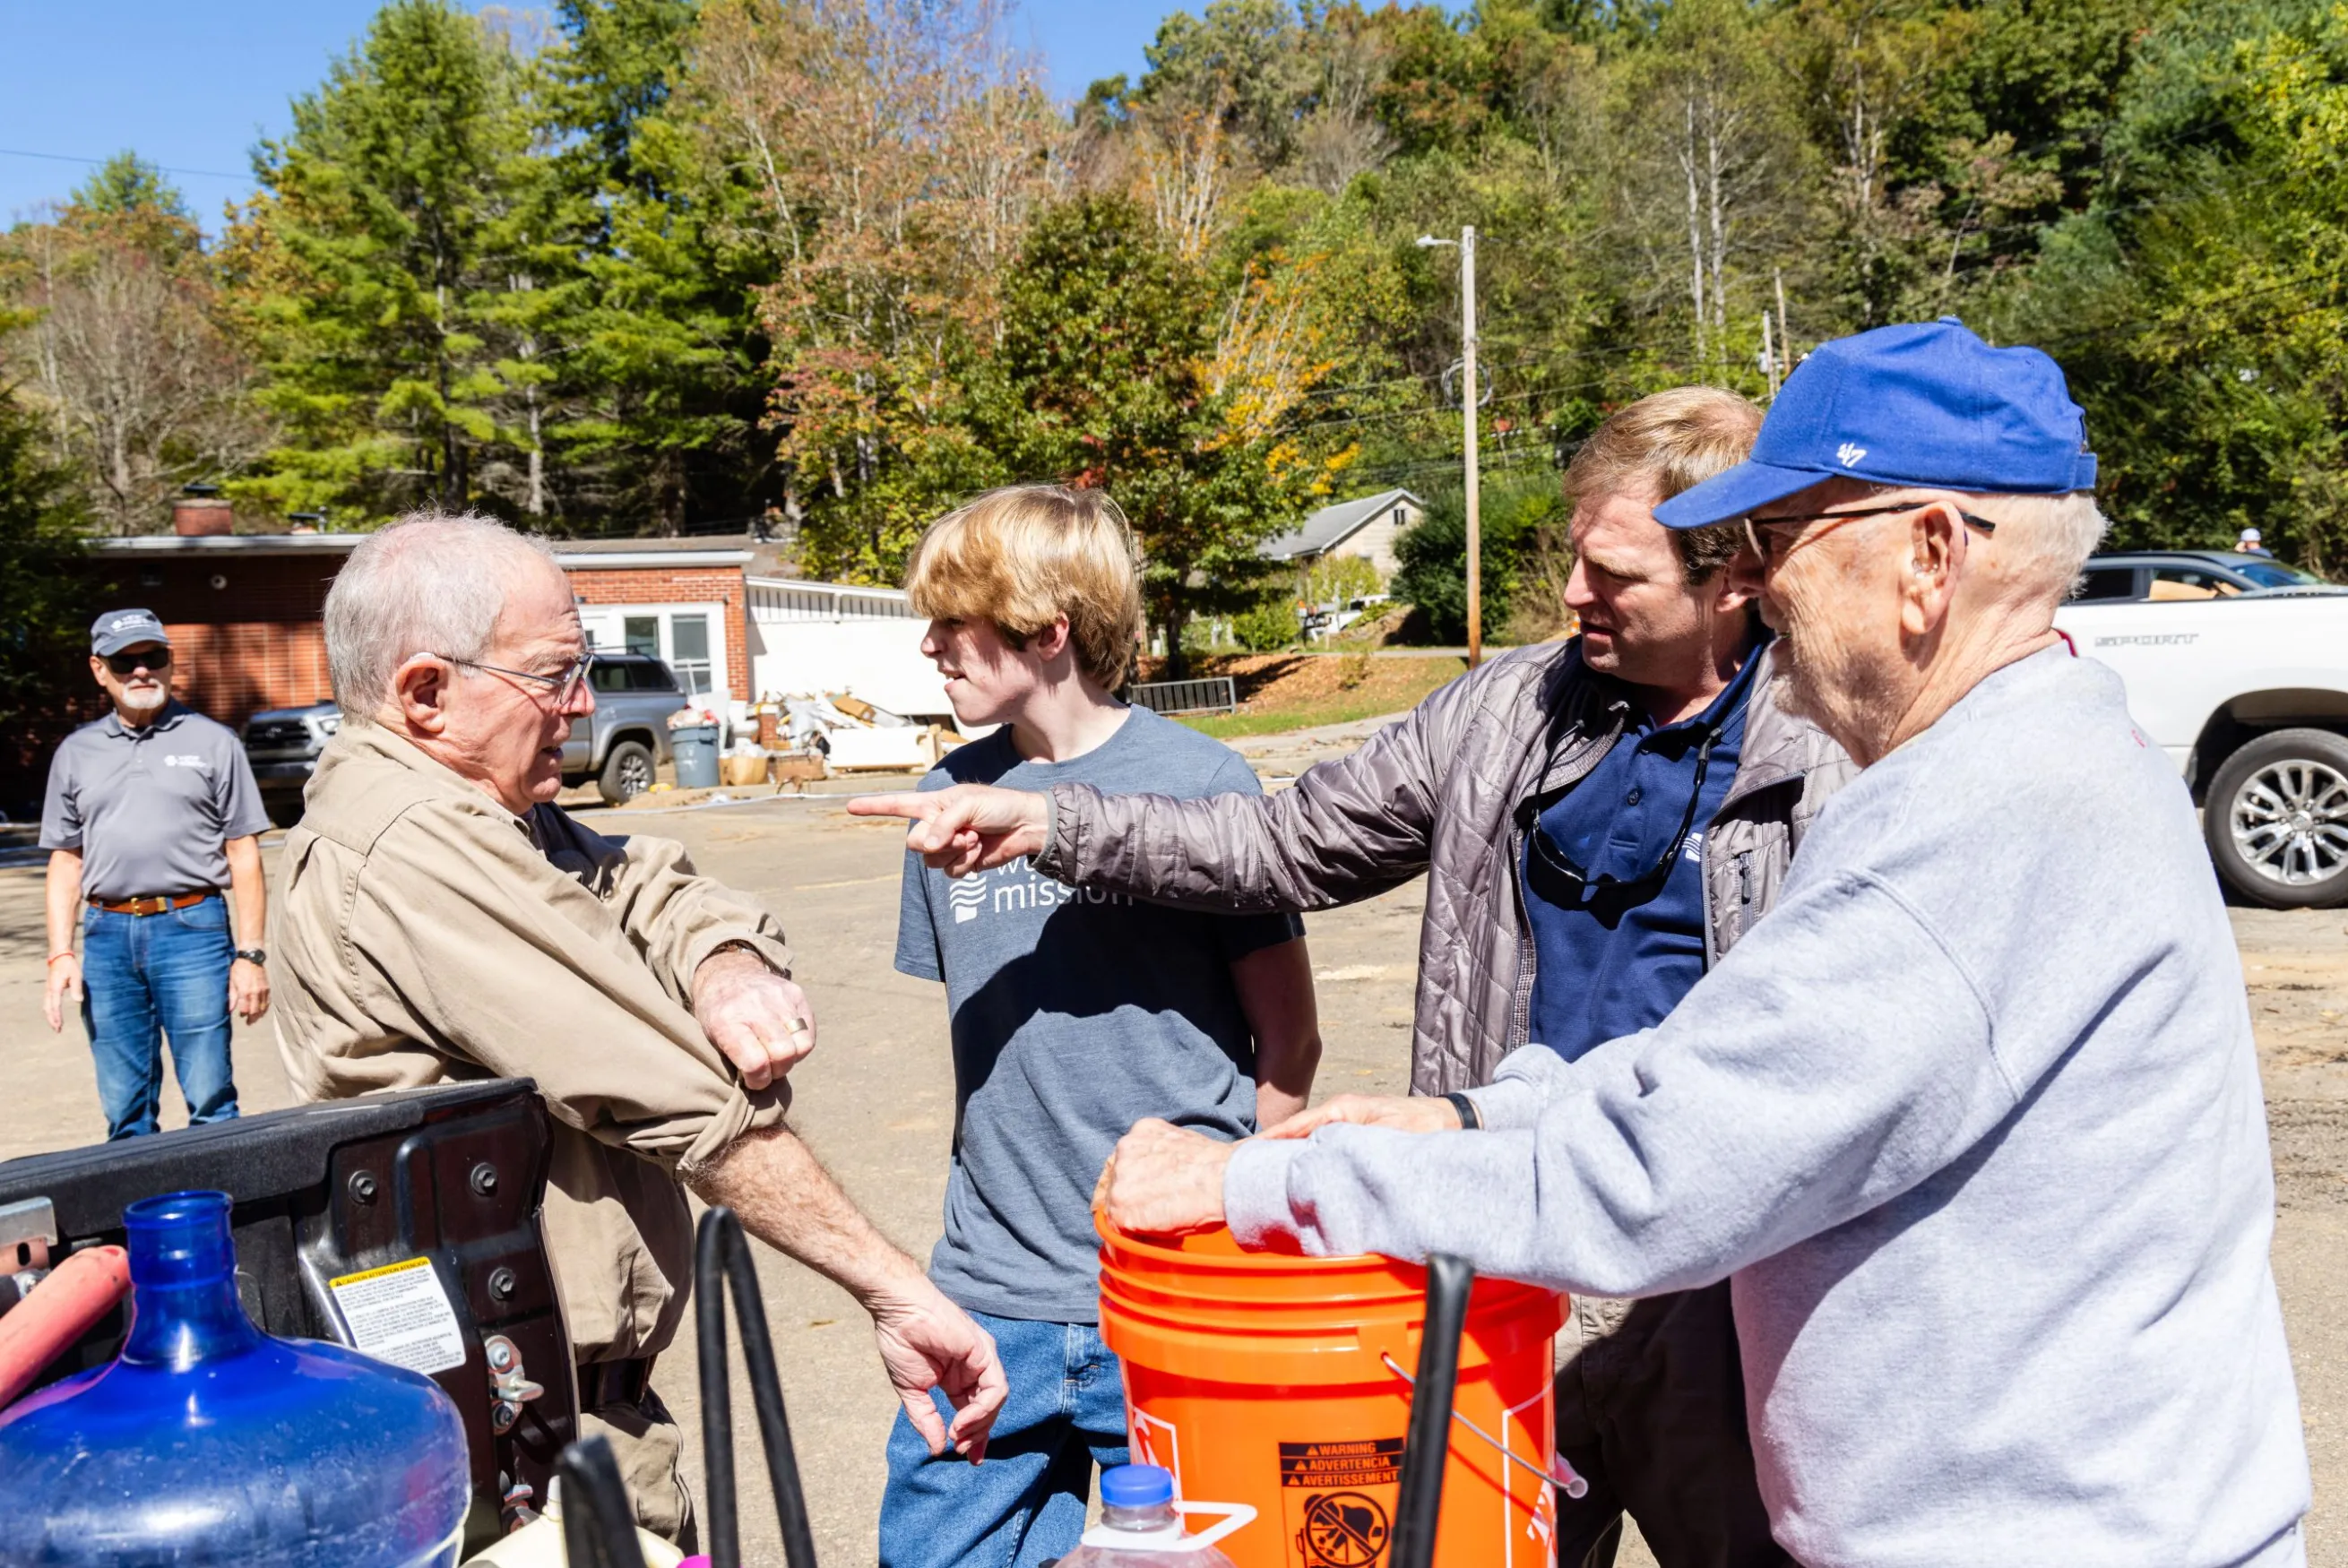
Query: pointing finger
point(911, 804)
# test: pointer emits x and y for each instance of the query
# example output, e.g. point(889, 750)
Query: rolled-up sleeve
point(679, 918)
point(503, 957)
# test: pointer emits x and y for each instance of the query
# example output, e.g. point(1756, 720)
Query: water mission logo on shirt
point(196, 762)
point(1015, 888)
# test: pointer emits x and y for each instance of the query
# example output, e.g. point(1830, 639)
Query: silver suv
point(626, 739)
point(620, 745)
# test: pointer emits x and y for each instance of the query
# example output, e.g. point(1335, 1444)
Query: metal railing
point(1214, 694)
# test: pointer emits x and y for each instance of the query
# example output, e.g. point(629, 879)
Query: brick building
point(245, 611)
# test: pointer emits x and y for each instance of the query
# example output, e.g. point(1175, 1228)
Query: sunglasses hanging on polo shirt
point(128, 663)
point(1554, 858)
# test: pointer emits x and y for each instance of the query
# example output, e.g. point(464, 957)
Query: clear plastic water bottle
point(1141, 1525)
point(209, 1443)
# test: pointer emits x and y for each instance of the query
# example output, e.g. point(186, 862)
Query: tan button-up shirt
point(425, 934)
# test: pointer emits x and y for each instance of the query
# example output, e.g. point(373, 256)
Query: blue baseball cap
point(120, 629)
point(1924, 403)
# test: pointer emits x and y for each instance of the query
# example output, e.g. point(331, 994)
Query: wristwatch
point(1471, 1117)
point(254, 956)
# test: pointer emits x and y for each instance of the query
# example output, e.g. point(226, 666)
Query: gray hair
point(2047, 537)
point(427, 583)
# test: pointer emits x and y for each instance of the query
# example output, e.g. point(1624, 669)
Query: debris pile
point(803, 737)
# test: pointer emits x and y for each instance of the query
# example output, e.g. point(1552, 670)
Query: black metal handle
point(721, 1256)
point(599, 1527)
point(1420, 1501)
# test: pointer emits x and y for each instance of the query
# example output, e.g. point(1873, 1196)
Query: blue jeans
point(147, 976)
point(1026, 1505)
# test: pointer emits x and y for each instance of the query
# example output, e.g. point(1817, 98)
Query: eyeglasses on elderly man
point(1762, 535)
point(564, 682)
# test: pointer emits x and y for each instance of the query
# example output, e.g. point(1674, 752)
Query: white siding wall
point(826, 637)
point(1375, 540)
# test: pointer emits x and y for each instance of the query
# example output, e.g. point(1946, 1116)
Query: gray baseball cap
point(120, 629)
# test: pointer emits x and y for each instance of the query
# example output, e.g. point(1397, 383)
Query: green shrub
point(1269, 627)
point(1434, 554)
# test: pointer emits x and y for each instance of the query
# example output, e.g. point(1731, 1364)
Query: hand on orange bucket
point(1404, 1113)
point(1162, 1181)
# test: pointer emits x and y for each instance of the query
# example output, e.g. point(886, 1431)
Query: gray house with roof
point(1365, 527)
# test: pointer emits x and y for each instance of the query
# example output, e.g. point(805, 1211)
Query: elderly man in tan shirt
point(440, 918)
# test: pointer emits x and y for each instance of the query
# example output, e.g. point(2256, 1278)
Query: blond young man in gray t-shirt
point(1074, 1015)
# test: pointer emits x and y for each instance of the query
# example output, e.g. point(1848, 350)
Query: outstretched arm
point(789, 1201)
point(1351, 827)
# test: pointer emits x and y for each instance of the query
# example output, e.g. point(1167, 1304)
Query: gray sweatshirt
point(1972, 1121)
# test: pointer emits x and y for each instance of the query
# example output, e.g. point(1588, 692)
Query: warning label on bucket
point(1372, 1462)
point(1339, 1500)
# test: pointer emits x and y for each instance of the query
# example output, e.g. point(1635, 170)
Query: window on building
point(688, 644)
point(641, 634)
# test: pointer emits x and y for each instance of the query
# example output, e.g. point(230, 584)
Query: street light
point(1466, 246)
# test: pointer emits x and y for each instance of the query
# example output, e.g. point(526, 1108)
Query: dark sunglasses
point(128, 663)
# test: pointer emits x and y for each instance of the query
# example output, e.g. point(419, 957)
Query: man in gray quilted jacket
point(1598, 820)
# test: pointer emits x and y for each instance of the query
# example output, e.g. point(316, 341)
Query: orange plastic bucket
point(1282, 1381)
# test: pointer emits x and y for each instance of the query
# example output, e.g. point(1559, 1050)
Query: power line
point(101, 162)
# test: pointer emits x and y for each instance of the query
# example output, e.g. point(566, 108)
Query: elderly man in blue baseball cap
point(1972, 1121)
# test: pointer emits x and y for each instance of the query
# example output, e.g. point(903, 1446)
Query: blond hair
point(1024, 556)
point(1669, 442)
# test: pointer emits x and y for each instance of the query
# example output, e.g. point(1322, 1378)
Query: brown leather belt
point(602, 1383)
point(156, 905)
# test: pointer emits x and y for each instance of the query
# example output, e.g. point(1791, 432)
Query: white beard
point(149, 700)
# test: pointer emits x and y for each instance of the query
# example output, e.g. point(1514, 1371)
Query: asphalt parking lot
point(875, 1102)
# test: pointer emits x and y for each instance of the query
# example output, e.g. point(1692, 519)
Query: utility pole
point(1785, 332)
point(1465, 244)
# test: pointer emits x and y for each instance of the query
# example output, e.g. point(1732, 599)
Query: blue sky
point(192, 85)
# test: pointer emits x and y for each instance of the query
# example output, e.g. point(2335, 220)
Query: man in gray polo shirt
point(151, 812)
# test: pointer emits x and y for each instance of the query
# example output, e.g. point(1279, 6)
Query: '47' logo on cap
point(1850, 453)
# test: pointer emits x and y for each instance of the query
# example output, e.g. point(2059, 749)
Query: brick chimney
point(202, 511)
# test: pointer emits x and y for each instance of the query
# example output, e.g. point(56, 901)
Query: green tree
point(1099, 379)
point(1433, 575)
point(2197, 305)
point(376, 266)
point(662, 332)
point(43, 588)
point(126, 183)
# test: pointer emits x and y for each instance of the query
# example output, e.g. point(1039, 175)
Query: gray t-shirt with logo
point(1074, 1014)
point(151, 809)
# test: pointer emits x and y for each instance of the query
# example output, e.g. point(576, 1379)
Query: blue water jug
point(209, 1441)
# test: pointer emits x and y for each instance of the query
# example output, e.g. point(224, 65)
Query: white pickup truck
point(2247, 694)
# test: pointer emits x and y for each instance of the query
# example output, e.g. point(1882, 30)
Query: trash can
point(695, 746)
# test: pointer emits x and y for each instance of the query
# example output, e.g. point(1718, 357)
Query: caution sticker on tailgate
point(1339, 1499)
point(399, 1314)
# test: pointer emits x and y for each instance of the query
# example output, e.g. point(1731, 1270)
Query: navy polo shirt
point(1615, 952)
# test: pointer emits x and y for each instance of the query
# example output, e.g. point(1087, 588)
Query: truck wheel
point(627, 772)
point(2276, 819)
